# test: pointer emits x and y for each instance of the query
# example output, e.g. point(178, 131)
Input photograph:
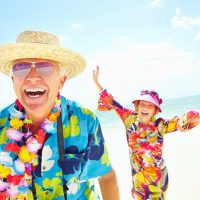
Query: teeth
point(35, 90)
point(144, 113)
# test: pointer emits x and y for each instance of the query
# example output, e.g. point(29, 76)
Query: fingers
point(97, 69)
point(96, 72)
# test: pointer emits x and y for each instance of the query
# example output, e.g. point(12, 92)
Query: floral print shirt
point(86, 155)
point(145, 141)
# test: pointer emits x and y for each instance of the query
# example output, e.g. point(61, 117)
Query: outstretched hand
point(96, 74)
point(188, 121)
point(96, 77)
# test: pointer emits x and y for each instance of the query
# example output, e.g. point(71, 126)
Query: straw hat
point(37, 44)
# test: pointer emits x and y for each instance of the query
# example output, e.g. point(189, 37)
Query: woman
point(145, 135)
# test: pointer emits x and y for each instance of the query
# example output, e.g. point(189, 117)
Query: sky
point(145, 44)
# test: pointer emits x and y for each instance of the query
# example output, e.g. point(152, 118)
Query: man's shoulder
point(4, 116)
point(4, 112)
point(74, 107)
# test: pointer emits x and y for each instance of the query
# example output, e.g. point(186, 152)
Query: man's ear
point(62, 81)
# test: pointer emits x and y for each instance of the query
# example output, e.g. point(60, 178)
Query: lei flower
point(16, 174)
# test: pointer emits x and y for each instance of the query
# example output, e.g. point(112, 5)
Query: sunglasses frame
point(33, 64)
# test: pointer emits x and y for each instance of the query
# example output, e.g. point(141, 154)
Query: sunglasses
point(43, 68)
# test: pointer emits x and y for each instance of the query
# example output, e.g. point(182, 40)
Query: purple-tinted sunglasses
point(22, 69)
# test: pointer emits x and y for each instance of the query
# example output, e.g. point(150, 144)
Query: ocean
point(181, 151)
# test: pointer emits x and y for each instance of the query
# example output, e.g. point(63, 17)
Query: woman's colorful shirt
point(145, 142)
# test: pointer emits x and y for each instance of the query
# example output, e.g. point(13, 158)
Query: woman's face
point(38, 89)
point(145, 111)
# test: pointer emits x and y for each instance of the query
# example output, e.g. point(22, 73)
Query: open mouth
point(144, 114)
point(34, 92)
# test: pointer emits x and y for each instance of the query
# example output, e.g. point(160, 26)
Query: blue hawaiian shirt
point(86, 155)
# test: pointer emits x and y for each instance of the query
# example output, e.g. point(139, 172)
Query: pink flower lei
point(16, 174)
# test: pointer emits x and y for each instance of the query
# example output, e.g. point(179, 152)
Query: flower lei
point(143, 133)
point(16, 174)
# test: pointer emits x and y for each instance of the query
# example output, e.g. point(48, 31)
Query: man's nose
point(33, 74)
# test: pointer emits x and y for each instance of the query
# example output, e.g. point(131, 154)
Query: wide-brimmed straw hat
point(43, 45)
point(149, 96)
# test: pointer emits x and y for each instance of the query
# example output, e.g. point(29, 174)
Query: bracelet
point(102, 89)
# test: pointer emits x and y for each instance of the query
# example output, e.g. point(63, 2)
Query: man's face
point(37, 87)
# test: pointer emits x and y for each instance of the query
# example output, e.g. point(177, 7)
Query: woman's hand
point(96, 74)
point(96, 77)
point(188, 121)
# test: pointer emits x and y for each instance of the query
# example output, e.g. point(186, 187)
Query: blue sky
point(151, 44)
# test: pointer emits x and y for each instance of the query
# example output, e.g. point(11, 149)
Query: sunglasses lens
point(44, 68)
point(21, 69)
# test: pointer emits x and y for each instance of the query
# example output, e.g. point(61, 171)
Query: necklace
point(20, 155)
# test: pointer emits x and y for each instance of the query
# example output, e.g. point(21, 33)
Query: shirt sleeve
point(106, 102)
point(188, 121)
point(184, 123)
point(96, 160)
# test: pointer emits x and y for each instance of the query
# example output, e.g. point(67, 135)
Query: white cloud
point(128, 68)
point(197, 37)
point(155, 3)
point(71, 33)
point(180, 21)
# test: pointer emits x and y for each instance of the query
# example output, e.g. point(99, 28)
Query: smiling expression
point(35, 92)
point(145, 111)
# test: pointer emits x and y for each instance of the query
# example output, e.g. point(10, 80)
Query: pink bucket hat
point(149, 96)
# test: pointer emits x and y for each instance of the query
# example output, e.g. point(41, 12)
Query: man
point(50, 147)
